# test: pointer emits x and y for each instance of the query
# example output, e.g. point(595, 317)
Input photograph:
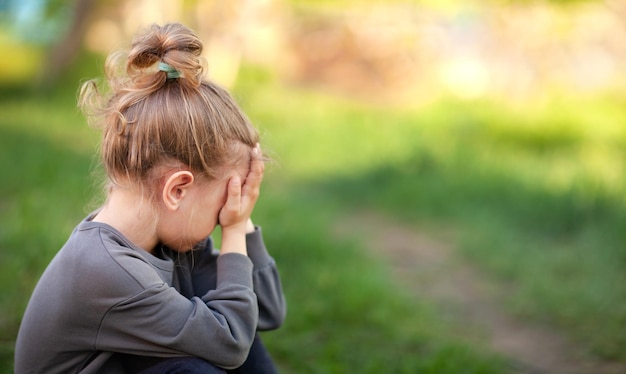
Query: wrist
point(233, 240)
point(250, 227)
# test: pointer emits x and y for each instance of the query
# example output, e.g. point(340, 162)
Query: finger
point(252, 184)
point(233, 199)
point(257, 165)
point(253, 181)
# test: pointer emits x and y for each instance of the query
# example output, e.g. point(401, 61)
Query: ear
point(176, 188)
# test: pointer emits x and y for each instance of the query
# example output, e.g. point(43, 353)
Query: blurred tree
point(65, 50)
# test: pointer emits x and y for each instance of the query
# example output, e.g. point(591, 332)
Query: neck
point(131, 214)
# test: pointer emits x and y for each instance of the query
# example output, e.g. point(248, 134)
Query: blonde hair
point(149, 120)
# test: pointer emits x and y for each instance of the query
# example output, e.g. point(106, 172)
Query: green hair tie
point(171, 72)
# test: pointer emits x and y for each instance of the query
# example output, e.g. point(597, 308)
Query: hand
point(234, 217)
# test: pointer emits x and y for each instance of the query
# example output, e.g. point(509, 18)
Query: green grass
point(345, 312)
point(534, 193)
point(45, 190)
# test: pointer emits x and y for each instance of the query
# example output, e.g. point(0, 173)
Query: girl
point(138, 285)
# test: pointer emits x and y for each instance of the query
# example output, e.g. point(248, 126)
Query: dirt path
point(431, 270)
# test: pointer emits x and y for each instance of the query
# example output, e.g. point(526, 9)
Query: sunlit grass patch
point(548, 219)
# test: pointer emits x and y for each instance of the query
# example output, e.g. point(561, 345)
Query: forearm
point(234, 238)
point(266, 279)
point(233, 241)
point(250, 228)
point(218, 326)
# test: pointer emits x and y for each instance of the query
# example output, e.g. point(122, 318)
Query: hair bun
point(172, 44)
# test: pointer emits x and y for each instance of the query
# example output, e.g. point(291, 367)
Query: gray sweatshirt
point(101, 296)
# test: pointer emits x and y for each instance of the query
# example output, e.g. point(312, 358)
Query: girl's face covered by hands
point(194, 207)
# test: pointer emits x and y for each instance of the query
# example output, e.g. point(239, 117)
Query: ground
point(433, 271)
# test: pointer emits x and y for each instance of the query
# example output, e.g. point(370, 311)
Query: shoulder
point(102, 257)
point(92, 272)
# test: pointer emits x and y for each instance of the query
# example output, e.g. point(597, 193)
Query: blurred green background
point(497, 128)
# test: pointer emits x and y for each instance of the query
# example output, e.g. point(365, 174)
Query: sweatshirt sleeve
point(218, 327)
point(267, 284)
point(265, 278)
